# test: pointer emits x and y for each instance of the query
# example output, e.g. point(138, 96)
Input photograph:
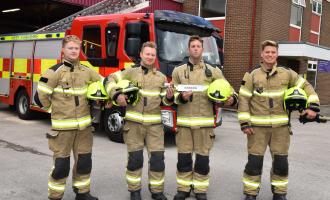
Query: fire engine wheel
point(113, 123)
point(23, 105)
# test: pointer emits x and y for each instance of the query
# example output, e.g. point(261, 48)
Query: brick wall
point(237, 40)
point(271, 22)
point(325, 25)
point(273, 19)
point(322, 87)
point(191, 7)
point(306, 25)
point(323, 79)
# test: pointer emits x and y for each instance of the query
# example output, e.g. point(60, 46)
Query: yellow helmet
point(295, 98)
point(219, 91)
point(96, 91)
point(130, 90)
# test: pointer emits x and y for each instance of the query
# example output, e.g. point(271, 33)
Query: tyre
point(23, 105)
point(113, 123)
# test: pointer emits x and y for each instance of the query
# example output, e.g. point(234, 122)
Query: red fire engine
point(110, 43)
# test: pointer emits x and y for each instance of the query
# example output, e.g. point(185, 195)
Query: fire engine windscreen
point(173, 47)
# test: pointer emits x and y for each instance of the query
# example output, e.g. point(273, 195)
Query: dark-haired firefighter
point(195, 121)
point(62, 91)
point(265, 122)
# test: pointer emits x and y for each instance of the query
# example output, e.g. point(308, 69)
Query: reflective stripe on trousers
point(201, 184)
point(56, 186)
point(183, 182)
point(280, 183)
point(133, 180)
point(82, 183)
point(156, 182)
point(251, 184)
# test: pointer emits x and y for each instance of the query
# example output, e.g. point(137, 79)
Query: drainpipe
point(254, 13)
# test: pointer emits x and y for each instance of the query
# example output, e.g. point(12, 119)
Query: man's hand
point(248, 131)
point(169, 93)
point(186, 95)
point(310, 114)
point(121, 100)
point(229, 101)
point(108, 104)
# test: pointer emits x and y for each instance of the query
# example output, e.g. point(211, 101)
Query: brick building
point(302, 28)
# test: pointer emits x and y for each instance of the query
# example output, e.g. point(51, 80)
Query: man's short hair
point(148, 44)
point(70, 38)
point(193, 38)
point(268, 43)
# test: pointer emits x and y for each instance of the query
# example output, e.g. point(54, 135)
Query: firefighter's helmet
point(130, 90)
point(219, 91)
point(295, 98)
point(96, 91)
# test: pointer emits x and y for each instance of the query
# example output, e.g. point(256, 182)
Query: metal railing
point(103, 7)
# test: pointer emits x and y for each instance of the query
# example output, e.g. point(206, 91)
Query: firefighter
point(265, 122)
point(62, 91)
point(195, 121)
point(143, 121)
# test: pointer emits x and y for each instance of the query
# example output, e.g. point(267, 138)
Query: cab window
point(91, 42)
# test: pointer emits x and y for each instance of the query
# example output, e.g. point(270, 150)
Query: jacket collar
point(147, 69)
point(271, 72)
point(71, 65)
point(201, 64)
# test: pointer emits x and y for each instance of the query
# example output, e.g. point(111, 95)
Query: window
point(299, 2)
point(312, 72)
point(312, 66)
point(213, 8)
point(296, 15)
point(112, 36)
point(91, 42)
point(137, 33)
point(317, 7)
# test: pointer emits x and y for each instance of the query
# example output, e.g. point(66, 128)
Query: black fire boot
point(181, 195)
point(136, 195)
point(250, 197)
point(158, 196)
point(85, 196)
point(279, 197)
point(201, 196)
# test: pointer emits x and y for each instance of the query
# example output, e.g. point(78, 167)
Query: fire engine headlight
point(167, 118)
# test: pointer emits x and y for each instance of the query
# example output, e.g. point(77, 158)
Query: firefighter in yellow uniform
point(62, 92)
point(195, 121)
point(143, 121)
point(265, 122)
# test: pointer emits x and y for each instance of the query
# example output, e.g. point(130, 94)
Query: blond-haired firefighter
point(62, 91)
point(143, 121)
point(265, 122)
point(195, 121)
